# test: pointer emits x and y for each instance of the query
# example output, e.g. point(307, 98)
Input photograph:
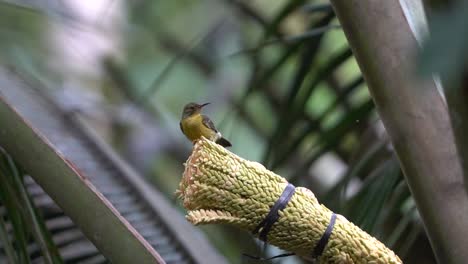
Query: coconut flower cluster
point(220, 187)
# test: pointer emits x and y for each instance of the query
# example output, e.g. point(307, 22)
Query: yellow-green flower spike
point(220, 187)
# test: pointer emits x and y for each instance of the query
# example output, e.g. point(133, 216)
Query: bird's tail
point(223, 142)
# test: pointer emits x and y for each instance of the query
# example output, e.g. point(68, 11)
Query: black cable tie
point(273, 215)
point(270, 258)
point(318, 250)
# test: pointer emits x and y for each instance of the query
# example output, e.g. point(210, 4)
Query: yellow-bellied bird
point(195, 125)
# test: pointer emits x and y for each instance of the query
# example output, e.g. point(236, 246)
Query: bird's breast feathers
point(194, 128)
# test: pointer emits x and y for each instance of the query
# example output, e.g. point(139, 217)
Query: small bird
point(195, 125)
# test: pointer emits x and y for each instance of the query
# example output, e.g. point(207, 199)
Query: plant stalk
point(415, 117)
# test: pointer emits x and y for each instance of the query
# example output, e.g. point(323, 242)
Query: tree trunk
point(415, 117)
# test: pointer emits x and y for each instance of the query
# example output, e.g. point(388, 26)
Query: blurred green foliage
point(284, 87)
point(445, 52)
point(25, 219)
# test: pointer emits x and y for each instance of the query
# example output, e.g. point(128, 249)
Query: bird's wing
point(208, 123)
point(181, 127)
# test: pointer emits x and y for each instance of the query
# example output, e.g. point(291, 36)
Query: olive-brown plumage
point(195, 125)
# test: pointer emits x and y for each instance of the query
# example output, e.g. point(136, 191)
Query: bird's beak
point(205, 104)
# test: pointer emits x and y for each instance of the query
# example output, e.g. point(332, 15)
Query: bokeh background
point(283, 85)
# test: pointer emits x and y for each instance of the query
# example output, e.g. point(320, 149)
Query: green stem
point(7, 244)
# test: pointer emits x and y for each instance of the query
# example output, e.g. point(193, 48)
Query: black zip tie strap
point(270, 258)
point(318, 250)
point(273, 215)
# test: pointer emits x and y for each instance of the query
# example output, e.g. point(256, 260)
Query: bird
point(194, 125)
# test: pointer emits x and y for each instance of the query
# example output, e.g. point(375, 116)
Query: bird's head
point(192, 109)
